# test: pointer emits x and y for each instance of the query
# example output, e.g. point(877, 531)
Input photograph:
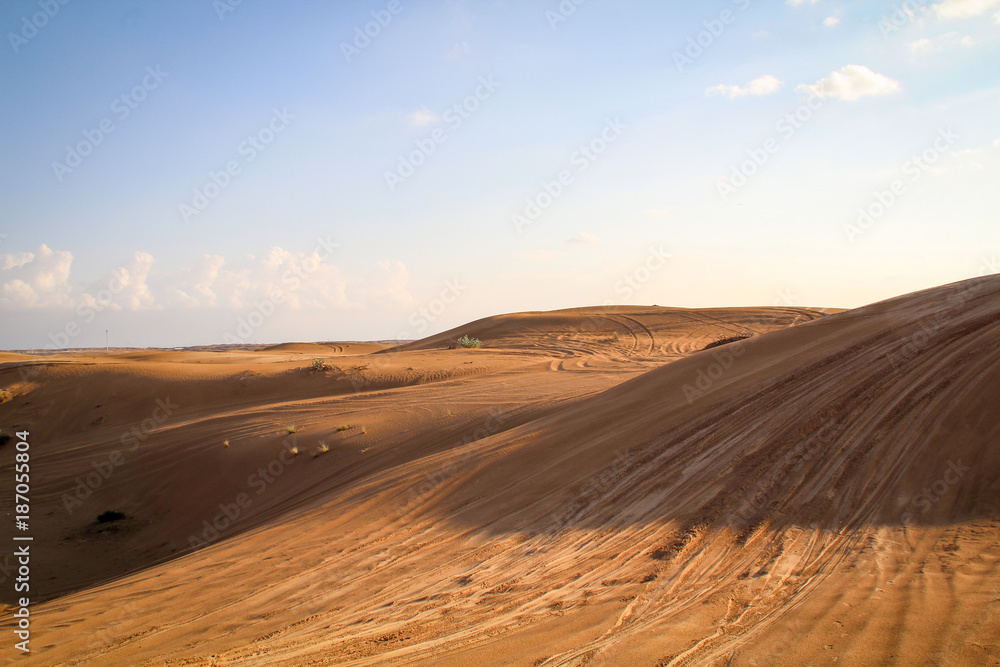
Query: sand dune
point(321, 349)
point(593, 486)
point(626, 330)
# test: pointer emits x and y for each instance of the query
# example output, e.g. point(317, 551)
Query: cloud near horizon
point(42, 280)
point(852, 82)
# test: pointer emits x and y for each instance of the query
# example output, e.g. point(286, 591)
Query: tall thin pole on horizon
point(107, 342)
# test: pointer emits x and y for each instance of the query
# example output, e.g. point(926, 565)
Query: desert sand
point(592, 486)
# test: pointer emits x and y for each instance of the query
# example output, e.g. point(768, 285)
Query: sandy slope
point(589, 488)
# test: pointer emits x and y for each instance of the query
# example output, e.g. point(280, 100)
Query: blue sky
point(203, 171)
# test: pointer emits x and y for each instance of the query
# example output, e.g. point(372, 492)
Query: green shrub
point(465, 341)
point(109, 516)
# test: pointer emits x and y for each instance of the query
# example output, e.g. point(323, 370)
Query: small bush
point(345, 427)
point(318, 365)
point(465, 341)
point(322, 449)
point(4, 395)
point(294, 451)
point(109, 516)
point(291, 429)
point(225, 443)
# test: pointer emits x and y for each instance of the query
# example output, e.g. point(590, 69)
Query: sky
point(221, 171)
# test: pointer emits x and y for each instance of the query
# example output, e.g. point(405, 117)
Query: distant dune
point(592, 486)
point(320, 349)
point(630, 330)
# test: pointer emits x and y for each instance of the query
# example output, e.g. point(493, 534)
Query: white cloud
point(978, 159)
point(302, 281)
point(15, 261)
point(36, 280)
point(421, 117)
point(941, 42)
point(963, 9)
point(134, 292)
point(583, 238)
point(831, 21)
point(852, 83)
point(764, 85)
